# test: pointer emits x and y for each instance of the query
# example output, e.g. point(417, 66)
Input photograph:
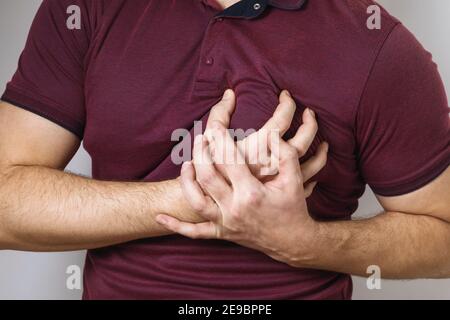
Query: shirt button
point(209, 61)
point(257, 6)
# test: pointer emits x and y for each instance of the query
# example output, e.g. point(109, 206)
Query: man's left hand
point(270, 216)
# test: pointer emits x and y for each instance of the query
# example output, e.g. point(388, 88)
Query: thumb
point(228, 95)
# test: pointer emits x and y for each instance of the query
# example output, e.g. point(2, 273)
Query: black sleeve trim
point(41, 109)
point(412, 185)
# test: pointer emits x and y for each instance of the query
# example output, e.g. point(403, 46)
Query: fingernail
point(228, 94)
point(288, 93)
point(313, 114)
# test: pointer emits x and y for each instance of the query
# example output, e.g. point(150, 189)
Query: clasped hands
point(253, 192)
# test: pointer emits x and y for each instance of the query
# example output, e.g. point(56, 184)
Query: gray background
point(42, 275)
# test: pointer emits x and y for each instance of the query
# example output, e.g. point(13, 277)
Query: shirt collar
point(287, 4)
point(250, 9)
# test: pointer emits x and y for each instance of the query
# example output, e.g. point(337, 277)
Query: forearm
point(44, 209)
point(404, 246)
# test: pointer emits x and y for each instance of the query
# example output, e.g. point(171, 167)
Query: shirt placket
point(210, 79)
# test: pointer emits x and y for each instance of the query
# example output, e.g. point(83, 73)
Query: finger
point(222, 111)
point(195, 196)
point(229, 158)
point(274, 160)
point(309, 188)
point(316, 163)
point(204, 230)
point(305, 134)
point(285, 158)
point(283, 115)
point(211, 181)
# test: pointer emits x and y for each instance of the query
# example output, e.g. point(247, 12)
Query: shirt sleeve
point(402, 122)
point(49, 80)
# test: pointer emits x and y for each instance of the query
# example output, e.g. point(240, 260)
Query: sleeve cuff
point(43, 109)
point(419, 181)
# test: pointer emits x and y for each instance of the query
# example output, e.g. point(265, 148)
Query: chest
point(156, 67)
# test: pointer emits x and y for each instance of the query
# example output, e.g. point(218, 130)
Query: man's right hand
point(46, 209)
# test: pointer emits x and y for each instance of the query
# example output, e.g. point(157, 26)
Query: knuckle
point(291, 153)
point(301, 149)
point(290, 185)
point(286, 181)
point(253, 197)
point(283, 181)
point(207, 178)
point(235, 213)
point(217, 126)
point(199, 205)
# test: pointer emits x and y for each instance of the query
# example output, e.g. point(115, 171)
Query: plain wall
point(43, 275)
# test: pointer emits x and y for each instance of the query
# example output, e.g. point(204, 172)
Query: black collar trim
point(251, 9)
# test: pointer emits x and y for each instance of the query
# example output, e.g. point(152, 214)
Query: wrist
point(306, 245)
point(175, 204)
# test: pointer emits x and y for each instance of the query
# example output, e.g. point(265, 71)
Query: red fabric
point(138, 70)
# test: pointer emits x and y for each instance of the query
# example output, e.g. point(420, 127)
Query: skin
point(223, 4)
point(409, 240)
point(43, 208)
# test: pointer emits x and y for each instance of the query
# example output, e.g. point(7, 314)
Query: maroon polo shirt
point(137, 70)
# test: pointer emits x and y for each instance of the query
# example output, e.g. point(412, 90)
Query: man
point(138, 70)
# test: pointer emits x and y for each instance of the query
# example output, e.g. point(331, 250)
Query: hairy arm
point(43, 208)
point(410, 240)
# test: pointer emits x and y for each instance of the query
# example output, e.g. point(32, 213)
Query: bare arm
point(43, 208)
point(410, 240)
